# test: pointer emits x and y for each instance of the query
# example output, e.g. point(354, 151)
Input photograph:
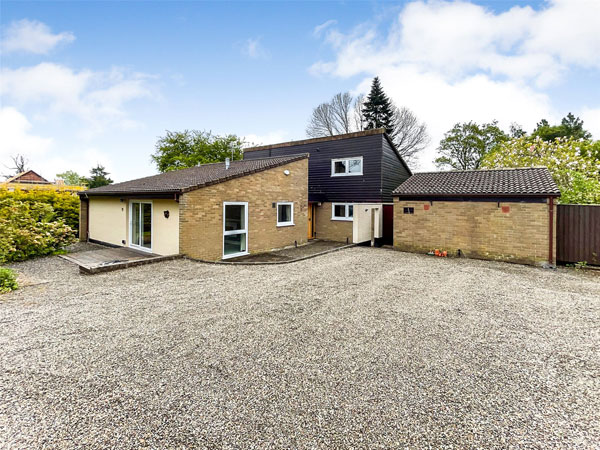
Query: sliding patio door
point(235, 229)
point(140, 214)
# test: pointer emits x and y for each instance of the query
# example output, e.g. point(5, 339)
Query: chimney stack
point(226, 163)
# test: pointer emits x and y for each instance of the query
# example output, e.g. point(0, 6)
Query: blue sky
point(97, 82)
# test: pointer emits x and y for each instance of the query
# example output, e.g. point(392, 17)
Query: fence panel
point(578, 233)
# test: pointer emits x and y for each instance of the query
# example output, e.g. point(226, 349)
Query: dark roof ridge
point(495, 169)
point(336, 137)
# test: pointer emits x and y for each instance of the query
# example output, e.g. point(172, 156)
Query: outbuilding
point(505, 214)
point(209, 212)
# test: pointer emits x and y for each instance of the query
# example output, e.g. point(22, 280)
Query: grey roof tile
point(183, 180)
point(533, 181)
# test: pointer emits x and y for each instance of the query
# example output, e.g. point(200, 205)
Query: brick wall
point(201, 211)
point(332, 230)
point(514, 232)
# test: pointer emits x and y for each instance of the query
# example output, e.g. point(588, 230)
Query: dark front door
point(388, 224)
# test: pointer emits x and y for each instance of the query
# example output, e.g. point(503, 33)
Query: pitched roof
point(336, 137)
point(184, 180)
point(29, 176)
point(534, 181)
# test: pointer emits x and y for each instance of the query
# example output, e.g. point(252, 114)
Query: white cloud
point(457, 38)
point(97, 98)
point(591, 119)
point(252, 48)
point(32, 36)
point(16, 137)
point(320, 28)
point(457, 61)
point(272, 137)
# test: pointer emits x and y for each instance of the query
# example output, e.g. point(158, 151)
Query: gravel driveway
point(358, 348)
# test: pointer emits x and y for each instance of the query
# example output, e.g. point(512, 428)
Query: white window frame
point(228, 233)
point(291, 222)
point(346, 218)
point(346, 174)
point(131, 244)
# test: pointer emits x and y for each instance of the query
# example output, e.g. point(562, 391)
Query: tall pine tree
point(378, 111)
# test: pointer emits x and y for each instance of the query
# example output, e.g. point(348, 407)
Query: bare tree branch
point(357, 113)
point(321, 121)
point(341, 109)
point(19, 165)
point(410, 136)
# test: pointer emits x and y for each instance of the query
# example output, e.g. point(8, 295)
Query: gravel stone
point(363, 348)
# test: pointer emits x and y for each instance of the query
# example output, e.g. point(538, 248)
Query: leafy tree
point(574, 164)
point(72, 178)
point(378, 109)
point(516, 130)
point(181, 149)
point(99, 177)
point(464, 146)
point(570, 127)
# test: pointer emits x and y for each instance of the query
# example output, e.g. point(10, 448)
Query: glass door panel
point(141, 225)
point(146, 220)
point(135, 224)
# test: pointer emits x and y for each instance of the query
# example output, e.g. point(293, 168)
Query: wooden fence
point(578, 234)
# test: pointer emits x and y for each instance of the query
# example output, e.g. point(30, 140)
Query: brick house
point(350, 182)
point(30, 180)
point(505, 214)
point(209, 212)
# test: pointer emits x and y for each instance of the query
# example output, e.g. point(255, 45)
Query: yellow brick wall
point(201, 211)
point(331, 230)
point(478, 229)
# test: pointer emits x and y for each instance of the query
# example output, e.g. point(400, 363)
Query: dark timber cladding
point(383, 169)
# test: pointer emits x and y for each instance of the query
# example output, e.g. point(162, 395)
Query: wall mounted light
point(166, 213)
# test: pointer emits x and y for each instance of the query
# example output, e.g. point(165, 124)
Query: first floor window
point(235, 229)
point(342, 211)
point(285, 214)
point(346, 167)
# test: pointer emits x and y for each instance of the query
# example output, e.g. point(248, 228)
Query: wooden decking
point(107, 259)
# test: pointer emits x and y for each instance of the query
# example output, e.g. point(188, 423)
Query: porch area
point(108, 258)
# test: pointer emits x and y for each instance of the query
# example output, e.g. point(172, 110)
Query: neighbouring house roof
point(526, 182)
point(184, 180)
point(29, 176)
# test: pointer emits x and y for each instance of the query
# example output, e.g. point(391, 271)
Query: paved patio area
point(361, 348)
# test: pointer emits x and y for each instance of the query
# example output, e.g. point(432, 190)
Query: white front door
point(140, 230)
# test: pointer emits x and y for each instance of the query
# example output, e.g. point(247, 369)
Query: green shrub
point(65, 204)
point(29, 229)
point(8, 280)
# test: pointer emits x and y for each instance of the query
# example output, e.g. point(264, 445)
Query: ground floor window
point(285, 214)
point(140, 219)
point(235, 229)
point(342, 211)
